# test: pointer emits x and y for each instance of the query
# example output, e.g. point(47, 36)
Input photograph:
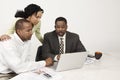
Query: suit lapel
point(68, 42)
point(56, 43)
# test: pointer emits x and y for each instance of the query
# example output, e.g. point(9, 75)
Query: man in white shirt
point(14, 53)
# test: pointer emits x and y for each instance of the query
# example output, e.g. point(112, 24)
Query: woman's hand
point(4, 37)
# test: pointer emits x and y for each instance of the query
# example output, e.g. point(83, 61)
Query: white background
point(96, 21)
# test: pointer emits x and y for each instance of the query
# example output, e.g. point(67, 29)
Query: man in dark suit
point(71, 41)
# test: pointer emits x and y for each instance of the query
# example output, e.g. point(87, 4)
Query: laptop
point(70, 61)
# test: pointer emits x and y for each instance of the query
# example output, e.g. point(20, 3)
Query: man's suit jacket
point(51, 44)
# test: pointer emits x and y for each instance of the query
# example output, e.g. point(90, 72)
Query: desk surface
point(107, 68)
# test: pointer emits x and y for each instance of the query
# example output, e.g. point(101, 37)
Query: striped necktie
point(61, 46)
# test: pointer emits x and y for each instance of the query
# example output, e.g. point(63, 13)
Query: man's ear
point(18, 31)
point(66, 26)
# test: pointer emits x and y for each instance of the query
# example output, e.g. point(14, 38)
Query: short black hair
point(61, 19)
point(19, 23)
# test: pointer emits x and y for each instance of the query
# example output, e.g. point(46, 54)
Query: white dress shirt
point(14, 56)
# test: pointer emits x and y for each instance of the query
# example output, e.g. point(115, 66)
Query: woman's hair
point(28, 11)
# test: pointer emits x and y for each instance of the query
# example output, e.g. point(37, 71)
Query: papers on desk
point(90, 60)
point(48, 74)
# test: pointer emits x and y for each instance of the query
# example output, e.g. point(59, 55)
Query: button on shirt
point(15, 56)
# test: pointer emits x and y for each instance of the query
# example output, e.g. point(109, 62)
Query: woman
point(32, 13)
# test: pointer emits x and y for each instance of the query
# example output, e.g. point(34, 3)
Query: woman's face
point(35, 18)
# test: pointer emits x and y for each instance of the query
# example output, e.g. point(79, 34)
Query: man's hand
point(58, 57)
point(4, 37)
point(49, 62)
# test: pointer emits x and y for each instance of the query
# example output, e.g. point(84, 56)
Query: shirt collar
point(62, 36)
point(18, 39)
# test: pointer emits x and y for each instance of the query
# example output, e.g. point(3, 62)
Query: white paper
point(89, 60)
point(35, 76)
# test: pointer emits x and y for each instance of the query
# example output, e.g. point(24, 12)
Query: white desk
point(107, 68)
